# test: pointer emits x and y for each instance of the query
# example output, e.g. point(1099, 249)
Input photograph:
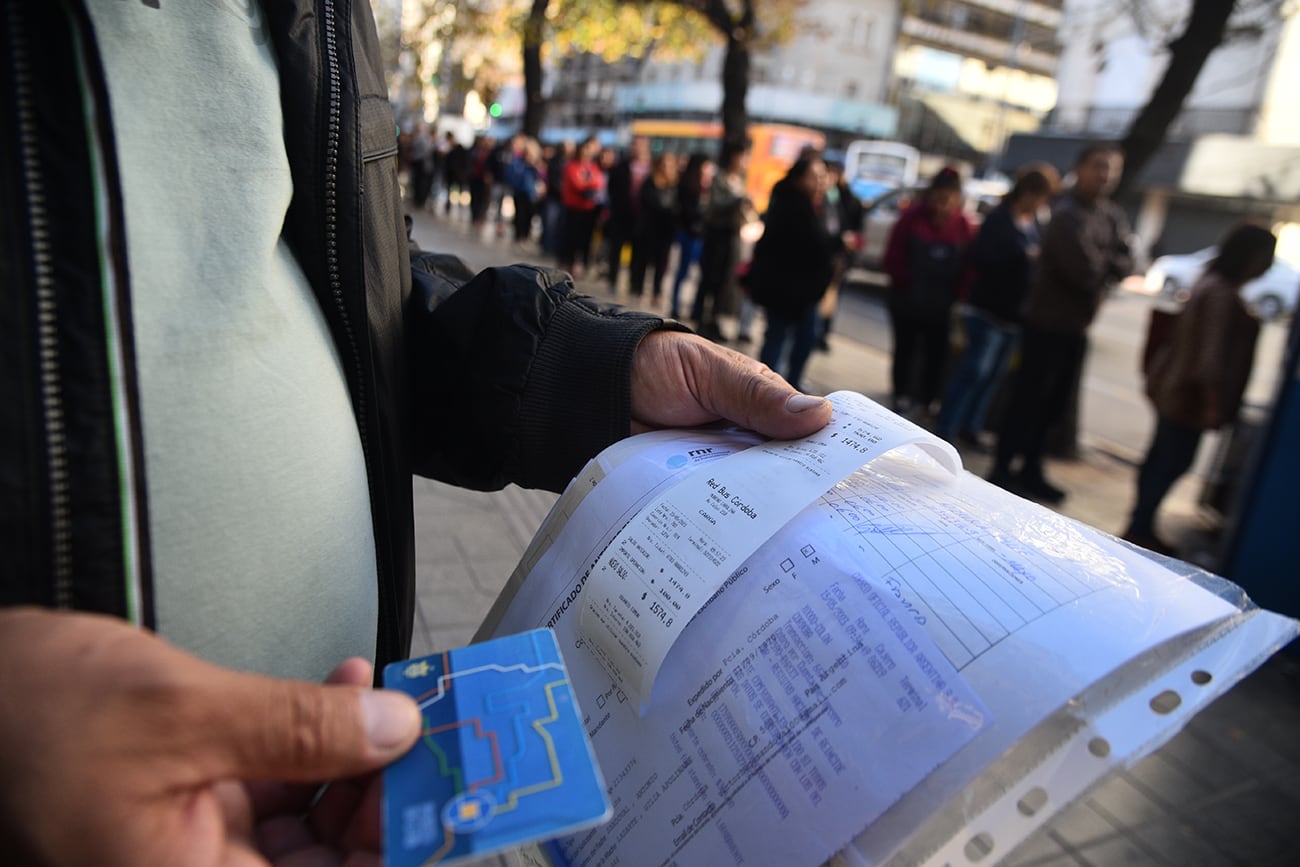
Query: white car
point(1272, 295)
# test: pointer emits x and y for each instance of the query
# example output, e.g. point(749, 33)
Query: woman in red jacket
point(580, 194)
point(927, 268)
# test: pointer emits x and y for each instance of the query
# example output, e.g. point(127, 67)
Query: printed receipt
point(678, 550)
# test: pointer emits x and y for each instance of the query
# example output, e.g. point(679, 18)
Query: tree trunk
point(735, 88)
point(534, 106)
point(1205, 30)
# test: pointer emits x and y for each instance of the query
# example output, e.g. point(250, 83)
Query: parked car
point(1272, 295)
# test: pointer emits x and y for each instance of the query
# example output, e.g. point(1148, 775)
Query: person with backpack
point(792, 266)
point(1196, 379)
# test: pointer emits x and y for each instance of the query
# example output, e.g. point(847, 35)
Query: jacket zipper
point(333, 133)
point(56, 441)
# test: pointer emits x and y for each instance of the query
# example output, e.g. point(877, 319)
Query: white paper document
point(844, 629)
point(676, 551)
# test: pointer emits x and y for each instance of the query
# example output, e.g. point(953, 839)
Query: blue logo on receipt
point(676, 462)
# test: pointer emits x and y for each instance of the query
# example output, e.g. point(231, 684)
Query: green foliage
point(613, 30)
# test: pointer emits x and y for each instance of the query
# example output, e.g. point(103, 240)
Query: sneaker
point(1035, 487)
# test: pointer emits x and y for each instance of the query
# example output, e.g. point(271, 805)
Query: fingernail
point(390, 717)
point(802, 403)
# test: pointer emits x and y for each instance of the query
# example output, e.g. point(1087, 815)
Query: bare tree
point(738, 22)
point(1210, 24)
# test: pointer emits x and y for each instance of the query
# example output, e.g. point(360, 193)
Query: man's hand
point(118, 749)
point(682, 380)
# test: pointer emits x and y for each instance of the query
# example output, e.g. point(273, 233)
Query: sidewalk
point(1224, 791)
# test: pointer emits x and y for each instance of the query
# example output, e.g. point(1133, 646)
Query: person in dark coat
point(727, 210)
point(624, 190)
point(1003, 258)
point(843, 213)
point(455, 172)
point(656, 219)
point(1197, 378)
point(926, 263)
point(793, 263)
point(692, 190)
point(1084, 253)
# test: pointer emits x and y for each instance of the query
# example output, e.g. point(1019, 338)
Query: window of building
point(860, 30)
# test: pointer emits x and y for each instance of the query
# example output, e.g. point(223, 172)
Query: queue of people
point(1023, 288)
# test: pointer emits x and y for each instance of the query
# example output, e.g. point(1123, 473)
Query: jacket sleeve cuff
point(578, 399)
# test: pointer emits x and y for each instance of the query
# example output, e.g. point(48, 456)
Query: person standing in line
point(926, 260)
point(525, 176)
point(1084, 253)
point(455, 172)
point(502, 156)
point(581, 192)
point(793, 264)
point(692, 190)
point(726, 211)
point(480, 179)
point(557, 157)
point(625, 182)
point(656, 217)
point(421, 166)
point(1003, 257)
point(843, 212)
point(1197, 378)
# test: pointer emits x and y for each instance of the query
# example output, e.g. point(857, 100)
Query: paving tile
point(1161, 777)
point(1119, 851)
point(1079, 825)
point(1183, 843)
point(1124, 804)
point(1040, 850)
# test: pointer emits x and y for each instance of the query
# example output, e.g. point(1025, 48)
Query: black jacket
point(541, 375)
point(1003, 265)
point(793, 261)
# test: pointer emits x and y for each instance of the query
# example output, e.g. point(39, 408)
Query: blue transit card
point(502, 760)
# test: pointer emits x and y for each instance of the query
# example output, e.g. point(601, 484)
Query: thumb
point(745, 391)
point(293, 731)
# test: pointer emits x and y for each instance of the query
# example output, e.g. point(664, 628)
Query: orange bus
point(773, 147)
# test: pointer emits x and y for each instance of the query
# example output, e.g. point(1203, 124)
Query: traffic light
point(495, 109)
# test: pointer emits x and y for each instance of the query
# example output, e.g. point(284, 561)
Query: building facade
point(1232, 153)
point(969, 73)
point(833, 75)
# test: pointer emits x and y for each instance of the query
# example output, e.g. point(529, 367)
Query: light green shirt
point(260, 526)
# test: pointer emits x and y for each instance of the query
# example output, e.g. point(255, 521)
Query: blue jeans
point(989, 347)
point(689, 246)
point(803, 329)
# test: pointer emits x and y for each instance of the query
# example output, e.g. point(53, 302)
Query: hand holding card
point(502, 759)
